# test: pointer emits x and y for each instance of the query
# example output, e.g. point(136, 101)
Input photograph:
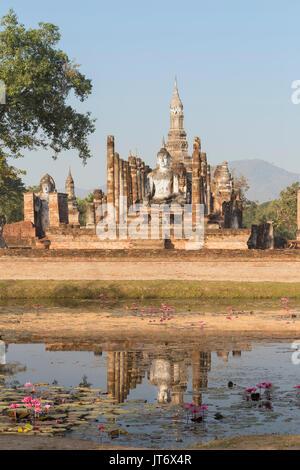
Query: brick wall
point(20, 234)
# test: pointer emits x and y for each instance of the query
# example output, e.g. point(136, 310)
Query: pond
point(139, 392)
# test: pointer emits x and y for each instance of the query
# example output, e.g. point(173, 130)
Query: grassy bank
point(147, 290)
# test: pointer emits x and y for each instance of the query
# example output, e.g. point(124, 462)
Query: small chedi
point(179, 179)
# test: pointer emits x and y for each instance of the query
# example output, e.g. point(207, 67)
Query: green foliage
point(240, 183)
point(282, 211)
point(11, 192)
point(82, 203)
point(39, 79)
point(32, 189)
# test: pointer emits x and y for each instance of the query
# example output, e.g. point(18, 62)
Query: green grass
point(35, 289)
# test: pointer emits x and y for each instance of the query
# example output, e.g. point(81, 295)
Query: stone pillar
point(298, 215)
point(126, 184)
point(203, 178)
point(208, 190)
point(29, 207)
point(196, 178)
point(133, 170)
point(117, 188)
point(54, 219)
point(110, 170)
point(90, 215)
point(121, 186)
point(98, 199)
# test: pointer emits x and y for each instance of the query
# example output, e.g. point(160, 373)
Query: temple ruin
point(135, 192)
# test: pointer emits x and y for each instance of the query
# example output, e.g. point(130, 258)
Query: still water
point(152, 383)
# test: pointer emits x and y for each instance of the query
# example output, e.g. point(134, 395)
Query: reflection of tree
point(12, 369)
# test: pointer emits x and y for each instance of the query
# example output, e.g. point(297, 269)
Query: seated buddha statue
point(163, 183)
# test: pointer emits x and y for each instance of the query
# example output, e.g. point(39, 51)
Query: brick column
point(98, 197)
point(196, 178)
point(208, 190)
point(90, 215)
point(53, 203)
point(29, 207)
point(121, 183)
point(117, 187)
point(133, 170)
point(110, 170)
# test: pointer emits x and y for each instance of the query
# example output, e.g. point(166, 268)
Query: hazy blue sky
point(235, 62)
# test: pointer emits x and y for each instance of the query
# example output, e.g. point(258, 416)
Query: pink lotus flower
point(298, 386)
point(203, 408)
point(27, 400)
point(250, 390)
point(47, 407)
point(28, 384)
point(14, 405)
point(101, 428)
point(195, 410)
point(35, 401)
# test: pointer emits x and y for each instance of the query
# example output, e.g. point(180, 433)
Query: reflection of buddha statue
point(2, 353)
point(162, 183)
point(47, 186)
point(161, 376)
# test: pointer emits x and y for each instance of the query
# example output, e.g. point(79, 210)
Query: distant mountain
point(265, 180)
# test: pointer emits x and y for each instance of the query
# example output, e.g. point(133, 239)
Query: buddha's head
point(47, 185)
point(163, 159)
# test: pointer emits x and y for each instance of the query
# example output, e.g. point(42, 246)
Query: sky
point(235, 63)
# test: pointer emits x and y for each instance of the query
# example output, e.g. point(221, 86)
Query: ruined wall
point(20, 234)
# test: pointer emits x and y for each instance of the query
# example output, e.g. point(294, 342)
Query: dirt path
point(11, 442)
point(229, 270)
point(56, 325)
point(254, 442)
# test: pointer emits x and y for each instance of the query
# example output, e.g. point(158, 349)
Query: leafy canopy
point(39, 78)
point(282, 211)
point(11, 192)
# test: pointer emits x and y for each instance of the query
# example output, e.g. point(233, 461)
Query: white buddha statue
point(162, 183)
point(47, 186)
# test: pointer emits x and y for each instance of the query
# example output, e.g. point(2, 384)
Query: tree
point(286, 211)
point(82, 203)
point(11, 192)
point(282, 212)
point(39, 79)
point(240, 183)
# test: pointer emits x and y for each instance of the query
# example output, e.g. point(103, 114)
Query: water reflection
point(3, 348)
point(139, 376)
point(167, 367)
